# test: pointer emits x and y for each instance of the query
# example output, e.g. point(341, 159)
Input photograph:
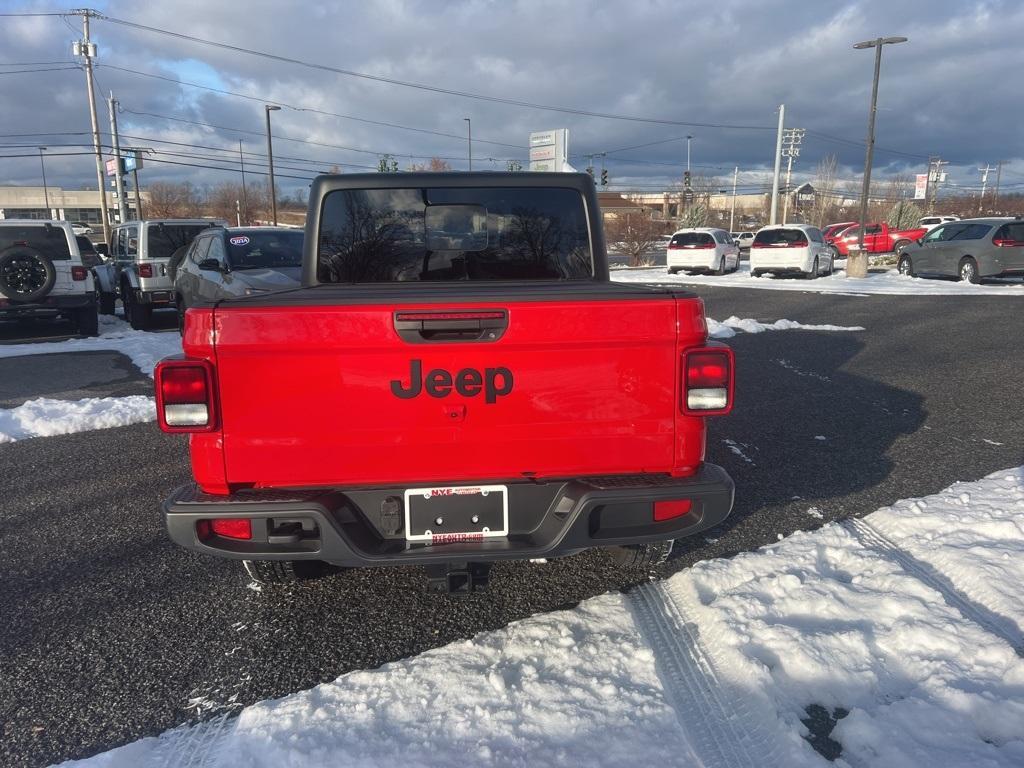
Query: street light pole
point(270, 158)
point(857, 264)
point(46, 194)
point(469, 128)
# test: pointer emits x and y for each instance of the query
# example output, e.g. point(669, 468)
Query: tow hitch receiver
point(458, 578)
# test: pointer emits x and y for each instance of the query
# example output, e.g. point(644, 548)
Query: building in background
point(65, 204)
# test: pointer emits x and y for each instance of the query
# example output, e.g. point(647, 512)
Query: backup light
point(708, 375)
point(184, 394)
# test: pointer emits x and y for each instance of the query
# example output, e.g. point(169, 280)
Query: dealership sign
point(921, 186)
point(549, 150)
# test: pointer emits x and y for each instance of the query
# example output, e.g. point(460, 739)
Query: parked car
point(445, 390)
point(702, 249)
point(971, 250)
point(81, 229)
point(743, 239)
point(42, 274)
point(229, 262)
point(930, 222)
point(136, 271)
point(790, 249)
point(878, 238)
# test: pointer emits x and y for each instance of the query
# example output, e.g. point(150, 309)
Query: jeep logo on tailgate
point(469, 382)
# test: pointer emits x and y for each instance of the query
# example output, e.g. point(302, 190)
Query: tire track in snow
point(986, 618)
point(196, 746)
point(714, 717)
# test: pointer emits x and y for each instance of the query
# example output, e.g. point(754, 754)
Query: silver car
point(230, 262)
point(970, 250)
point(136, 270)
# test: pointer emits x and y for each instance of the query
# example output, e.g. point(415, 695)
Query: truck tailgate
point(335, 395)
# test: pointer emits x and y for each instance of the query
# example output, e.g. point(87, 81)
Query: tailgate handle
point(420, 327)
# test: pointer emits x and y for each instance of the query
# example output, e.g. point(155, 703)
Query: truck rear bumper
point(358, 527)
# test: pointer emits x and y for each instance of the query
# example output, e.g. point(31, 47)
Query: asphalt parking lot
point(110, 633)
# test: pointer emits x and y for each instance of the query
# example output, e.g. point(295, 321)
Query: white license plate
point(450, 514)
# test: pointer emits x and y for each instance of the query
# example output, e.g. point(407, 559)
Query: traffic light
point(686, 179)
point(590, 170)
point(604, 177)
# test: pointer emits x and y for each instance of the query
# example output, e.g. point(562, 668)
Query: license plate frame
point(487, 500)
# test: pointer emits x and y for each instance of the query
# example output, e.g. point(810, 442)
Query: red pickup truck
point(455, 382)
point(878, 238)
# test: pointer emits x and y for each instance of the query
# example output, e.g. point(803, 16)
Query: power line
point(44, 69)
point(312, 110)
point(422, 86)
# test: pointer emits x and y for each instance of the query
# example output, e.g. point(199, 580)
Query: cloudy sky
point(715, 70)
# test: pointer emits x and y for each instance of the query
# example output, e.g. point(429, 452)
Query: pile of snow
point(727, 328)
point(882, 627)
point(45, 417)
point(891, 282)
point(144, 348)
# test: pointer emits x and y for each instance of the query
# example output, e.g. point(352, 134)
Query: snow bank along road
point(109, 634)
point(895, 639)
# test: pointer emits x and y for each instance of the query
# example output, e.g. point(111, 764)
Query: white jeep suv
point(704, 249)
point(790, 248)
point(42, 274)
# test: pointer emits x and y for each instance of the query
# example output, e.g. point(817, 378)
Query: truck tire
point(283, 571)
point(641, 555)
point(88, 321)
point(139, 316)
point(106, 302)
point(26, 274)
point(899, 245)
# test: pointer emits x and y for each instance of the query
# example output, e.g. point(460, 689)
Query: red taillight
point(794, 244)
point(145, 270)
point(671, 509)
point(756, 244)
point(184, 396)
point(1003, 242)
point(228, 527)
point(708, 381)
point(79, 273)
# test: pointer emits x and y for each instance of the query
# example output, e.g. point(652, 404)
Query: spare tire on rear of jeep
point(26, 274)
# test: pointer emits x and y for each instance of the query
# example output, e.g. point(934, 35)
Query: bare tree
point(436, 164)
point(824, 184)
point(635, 233)
point(173, 200)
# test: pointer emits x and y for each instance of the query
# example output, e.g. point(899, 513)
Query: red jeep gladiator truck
point(878, 238)
point(455, 382)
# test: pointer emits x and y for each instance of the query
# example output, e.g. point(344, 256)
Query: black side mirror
point(101, 249)
point(212, 265)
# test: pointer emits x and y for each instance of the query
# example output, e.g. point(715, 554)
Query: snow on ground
point(45, 417)
point(144, 348)
point(889, 638)
point(727, 328)
point(890, 282)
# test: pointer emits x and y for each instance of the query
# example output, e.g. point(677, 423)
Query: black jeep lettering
point(468, 382)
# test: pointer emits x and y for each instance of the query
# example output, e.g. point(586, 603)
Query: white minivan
point(703, 249)
point(790, 248)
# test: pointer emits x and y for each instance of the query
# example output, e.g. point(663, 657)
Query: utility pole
point(122, 204)
point(245, 202)
point(984, 183)
point(270, 157)
point(935, 177)
point(778, 167)
point(46, 193)
point(87, 50)
point(792, 139)
point(469, 128)
point(857, 262)
point(135, 183)
point(732, 212)
point(688, 140)
point(995, 193)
